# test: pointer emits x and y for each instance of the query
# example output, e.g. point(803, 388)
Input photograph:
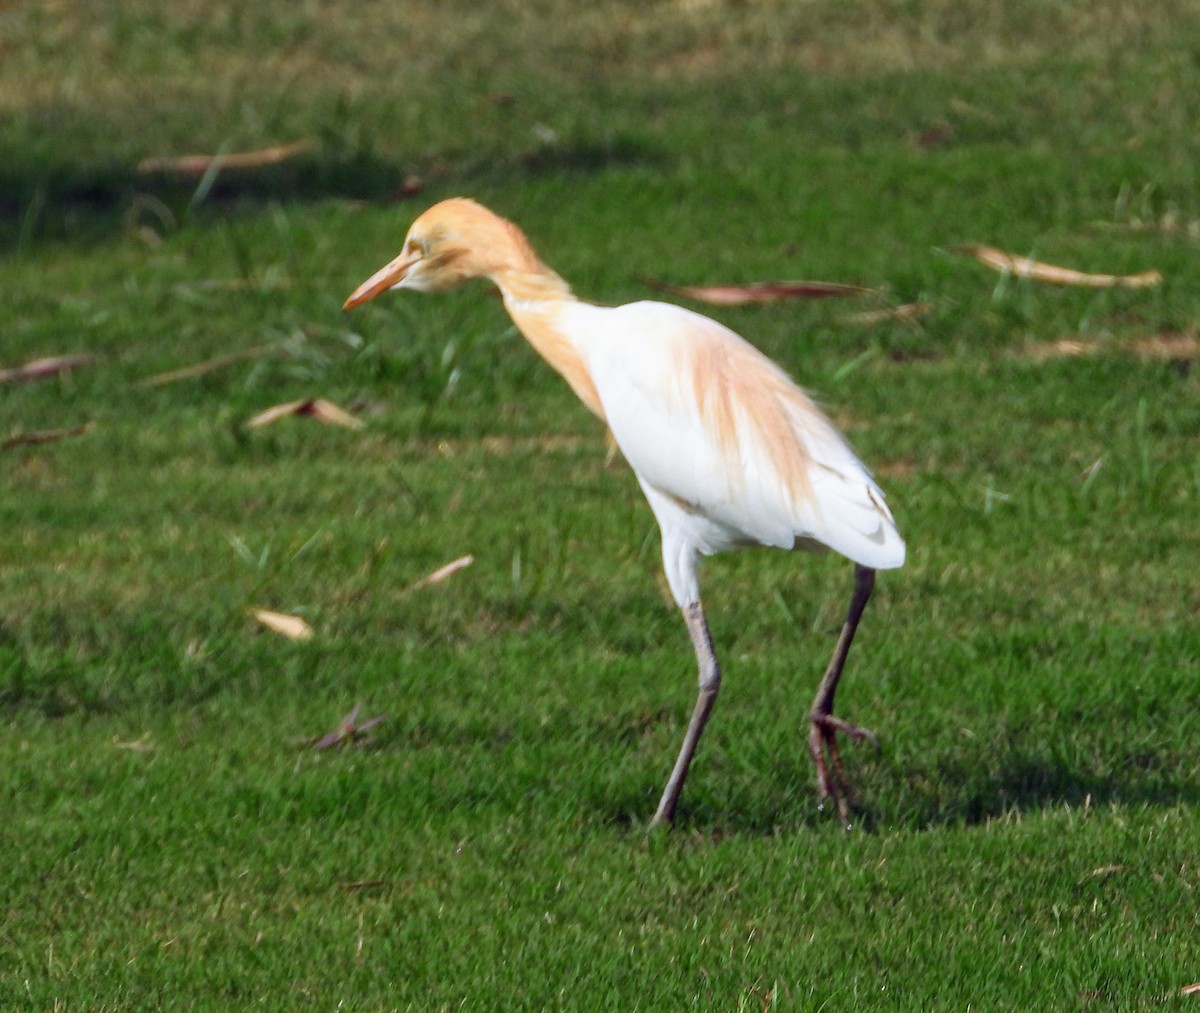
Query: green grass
point(1029, 831)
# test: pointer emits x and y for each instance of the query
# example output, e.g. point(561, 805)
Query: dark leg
point(710, 682)
point(822, 741)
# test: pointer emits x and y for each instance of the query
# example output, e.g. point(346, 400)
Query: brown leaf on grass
point(1034, 270)
point(757, 292)
point(443, 572)
point(1180, 348)
point(909, 311)
point(1059, 349)
point(1106, 870)
point(1193, 989)
point(40, 369)
point(200, 368)
point(317, 408)
point(45, 436)
point(348, 732)
point(1173, 347)
point(935, 135)
point(198, 165)
point(292, 627)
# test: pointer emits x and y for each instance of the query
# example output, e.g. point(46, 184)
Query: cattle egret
point(727, 449)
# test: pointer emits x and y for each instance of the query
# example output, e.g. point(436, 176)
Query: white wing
point(709, 422)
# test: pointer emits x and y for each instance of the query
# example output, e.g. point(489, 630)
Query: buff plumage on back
point(746, 394)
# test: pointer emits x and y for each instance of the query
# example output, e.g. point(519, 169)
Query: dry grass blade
point(317, 408)
point(40, 369)
point(443, 572)
point(1193, 989)
point(1105, 870)
point(200, 368)
point(1051, 274)
point(292, 627)
point(36, 437)
point(757, 292)
point(198, 165)
point(141, 744)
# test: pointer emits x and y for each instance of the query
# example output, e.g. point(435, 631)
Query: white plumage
point(727, 449)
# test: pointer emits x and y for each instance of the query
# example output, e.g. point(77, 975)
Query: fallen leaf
point(317, 408)
point(200, 368)
point(935, 135)
point(1027, 267)
point(348, 731)
point(292, 627)
point(39, 369)
point(198, 165)
point(442, 572)
point(45, 436)
point(909, 311)
point(757, 292)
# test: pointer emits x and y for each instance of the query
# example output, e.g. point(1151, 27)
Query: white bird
point(727, 449)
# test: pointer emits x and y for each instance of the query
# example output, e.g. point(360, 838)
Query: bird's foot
point(832, 783)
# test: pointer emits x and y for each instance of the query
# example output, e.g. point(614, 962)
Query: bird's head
point(450, 243)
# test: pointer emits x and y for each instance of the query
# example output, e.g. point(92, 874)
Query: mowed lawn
point(1028, 835)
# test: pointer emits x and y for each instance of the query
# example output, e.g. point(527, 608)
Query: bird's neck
point(530, 282)
point(539, 302)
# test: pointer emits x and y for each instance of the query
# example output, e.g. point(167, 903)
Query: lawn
point(1028, 834)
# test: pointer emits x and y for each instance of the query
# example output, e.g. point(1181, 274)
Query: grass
point(1029, 830)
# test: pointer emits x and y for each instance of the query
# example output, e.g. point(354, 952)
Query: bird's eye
point(414, 248)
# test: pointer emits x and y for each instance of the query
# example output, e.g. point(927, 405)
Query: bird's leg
point(710, 682)
point(822, 741)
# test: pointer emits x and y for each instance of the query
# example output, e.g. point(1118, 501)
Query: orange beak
point(383, 279)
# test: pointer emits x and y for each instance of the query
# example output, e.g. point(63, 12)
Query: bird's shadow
point(970, 791)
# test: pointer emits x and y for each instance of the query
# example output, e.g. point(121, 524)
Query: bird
point(729, 451)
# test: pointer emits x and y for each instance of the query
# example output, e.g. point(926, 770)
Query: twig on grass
point(36, 437)
point(197, 165)
point(200, 368)
point(442, 572)
point(1051, 274)
point(758, 292)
